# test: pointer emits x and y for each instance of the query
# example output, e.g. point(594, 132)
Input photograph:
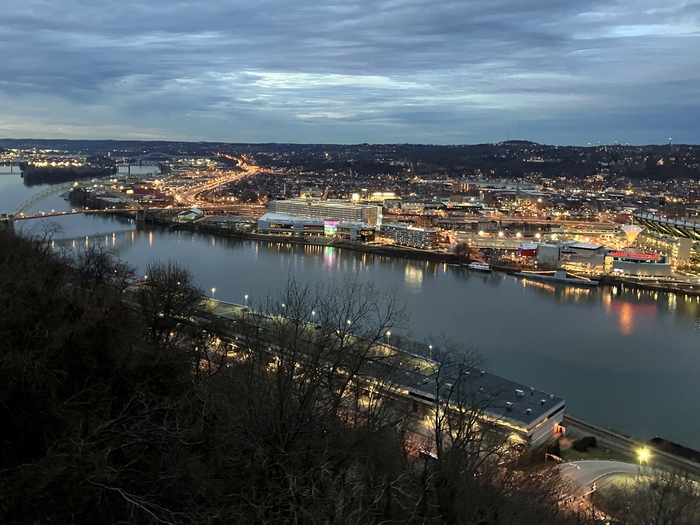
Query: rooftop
point(500, 398)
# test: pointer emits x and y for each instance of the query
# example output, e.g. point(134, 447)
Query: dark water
point(624, 359)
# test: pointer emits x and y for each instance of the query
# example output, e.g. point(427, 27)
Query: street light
point(388, 335)
point(245, 297)
point(430, 347)
point(643, 455)
point(213, 291)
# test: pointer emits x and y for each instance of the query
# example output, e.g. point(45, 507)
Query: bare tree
point(662, 498)
point(315, 363)
point(97, 264)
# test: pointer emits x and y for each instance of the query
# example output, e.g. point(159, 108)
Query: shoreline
point(409, 253)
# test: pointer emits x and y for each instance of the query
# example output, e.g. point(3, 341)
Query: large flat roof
point(499, 397)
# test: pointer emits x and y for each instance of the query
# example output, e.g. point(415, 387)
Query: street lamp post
point(245, 297)
point(213, 291)
point(430, 347)
point(388, 335)
point(643, 454)
point(313, 316)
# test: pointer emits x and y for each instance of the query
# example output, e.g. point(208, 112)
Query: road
point(583, 474)
point(624, 444)
point(188, 197)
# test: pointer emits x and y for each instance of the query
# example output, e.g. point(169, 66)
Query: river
point(624, 359)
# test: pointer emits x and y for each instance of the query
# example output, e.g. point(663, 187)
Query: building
point(280, 223)
point(528, 249)
point(582, 250)
point(287, 224)
point(549, 255)
point(410, 236)
point(142, 168)
point(527, 415)
point(675, 248)
point(637, 264)
point(352, 231)
point(338, 210)
point(189, 215)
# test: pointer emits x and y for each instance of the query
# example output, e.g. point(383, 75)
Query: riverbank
point(376, 249)
point(658, 285)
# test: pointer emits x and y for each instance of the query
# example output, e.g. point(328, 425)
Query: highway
point(188, 197)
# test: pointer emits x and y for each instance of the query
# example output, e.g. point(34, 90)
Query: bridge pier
point(7, 222)
point(141, 215)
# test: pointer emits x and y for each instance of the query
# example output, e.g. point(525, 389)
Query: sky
point(377, 71)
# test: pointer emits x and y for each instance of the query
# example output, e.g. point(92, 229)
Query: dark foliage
point(583, 444)
point(123, 406)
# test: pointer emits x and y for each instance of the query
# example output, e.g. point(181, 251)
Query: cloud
point(440, 71)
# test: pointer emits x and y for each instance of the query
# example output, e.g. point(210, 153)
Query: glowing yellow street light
point(643, 455)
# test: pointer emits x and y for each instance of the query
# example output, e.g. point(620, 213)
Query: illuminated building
point(339, 210)
point(637, 264)
point(410, 236)
point(287, 224)
point(527, 415)
point(676, 248)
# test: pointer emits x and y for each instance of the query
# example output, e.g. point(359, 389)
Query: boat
point(479, 267)
point(558, 276)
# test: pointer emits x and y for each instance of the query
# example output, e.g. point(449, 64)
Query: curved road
point(583, 474)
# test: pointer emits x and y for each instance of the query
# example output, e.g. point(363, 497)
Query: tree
point(662, 497)
point(168, 302)
point(313, 361)
point(141, 407)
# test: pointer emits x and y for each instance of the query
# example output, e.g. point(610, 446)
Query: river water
point(624, 359)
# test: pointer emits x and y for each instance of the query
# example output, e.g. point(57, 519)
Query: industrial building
point(338, 210)
point(527, 415)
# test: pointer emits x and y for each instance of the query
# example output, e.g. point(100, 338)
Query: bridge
point(155, 156)
point(19, 212)
point(68, 186)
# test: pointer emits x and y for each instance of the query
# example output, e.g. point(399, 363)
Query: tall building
point(339, 210)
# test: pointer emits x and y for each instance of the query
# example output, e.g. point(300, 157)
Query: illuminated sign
point(635, 255)
point(330, 228)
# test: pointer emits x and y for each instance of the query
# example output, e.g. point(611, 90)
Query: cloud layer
point(356, 71)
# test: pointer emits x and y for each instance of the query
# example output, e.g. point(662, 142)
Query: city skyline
point(395, 71)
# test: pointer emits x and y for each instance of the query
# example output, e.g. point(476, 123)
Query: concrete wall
point(543, 433)
point(549, 255)
point(643, 269)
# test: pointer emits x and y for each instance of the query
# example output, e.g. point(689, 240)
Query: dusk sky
point(551, 71)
